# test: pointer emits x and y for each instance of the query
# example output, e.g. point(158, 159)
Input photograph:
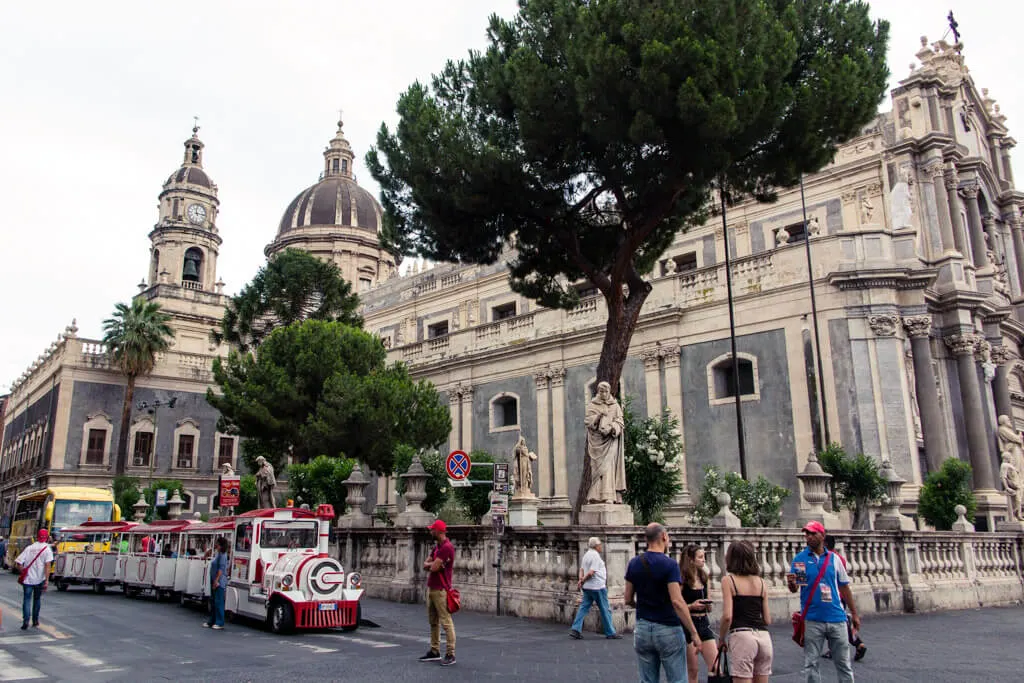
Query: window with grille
point(143, 449)
point(504, 311)
point(226, 452)
point(725, 379)
point(186, 445)
point(97, 445)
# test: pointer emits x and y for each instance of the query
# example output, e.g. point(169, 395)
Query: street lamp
point(150, 407)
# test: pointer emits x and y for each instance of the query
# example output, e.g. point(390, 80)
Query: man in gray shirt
point(593, 581)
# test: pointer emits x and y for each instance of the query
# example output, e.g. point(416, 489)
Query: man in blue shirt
point(826, 619)
point(218, 585)
point(654, 586)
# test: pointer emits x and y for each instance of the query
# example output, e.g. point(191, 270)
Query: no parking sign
point(457, 465)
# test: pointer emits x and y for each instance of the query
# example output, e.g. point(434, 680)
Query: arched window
point(504, 412)
point(193, 266)
point(96, 438)
point(722, 379)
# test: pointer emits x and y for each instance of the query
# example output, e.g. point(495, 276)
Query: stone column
point(454, 405)
point(652, 381)
point(942, 206)
point(1017, 233)
point(963, 346)
point(674, 399)
point(560, 471)
point(467, 419)
point(919, 329)
point(951, 181)
point(975, 228)
point(1003, 359)
point(544, 479)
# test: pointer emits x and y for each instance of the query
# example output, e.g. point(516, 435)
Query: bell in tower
point(190, 268)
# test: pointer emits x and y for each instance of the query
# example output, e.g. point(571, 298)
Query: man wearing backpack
point(35, 562)
point(822, 580)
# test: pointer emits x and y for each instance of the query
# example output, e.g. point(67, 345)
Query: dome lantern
point(338, 155)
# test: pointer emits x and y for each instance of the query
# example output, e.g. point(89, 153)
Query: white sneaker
point(217, 628)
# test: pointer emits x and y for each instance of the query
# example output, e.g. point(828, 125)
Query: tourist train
point(280, 570)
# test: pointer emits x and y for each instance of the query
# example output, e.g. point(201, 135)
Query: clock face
point(196, 213)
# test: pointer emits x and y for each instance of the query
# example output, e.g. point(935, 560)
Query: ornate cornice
point(918, 326)
point(962, 344)
point(554, 375)
point(886, 278)
point(884, 325)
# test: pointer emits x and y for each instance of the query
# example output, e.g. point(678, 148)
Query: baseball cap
point(815, 527)
point(438, 525)
point(43, 534)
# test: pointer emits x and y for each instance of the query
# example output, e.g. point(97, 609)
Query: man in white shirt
point(593, 581)
point(36, 561)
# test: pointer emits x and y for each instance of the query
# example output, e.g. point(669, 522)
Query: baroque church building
point(917, 261)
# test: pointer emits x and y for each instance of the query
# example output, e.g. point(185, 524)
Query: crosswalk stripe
point(360, 641)
point(22, 640)
point(316, 648)
point(47, 628)
point(10, 671)
point(72, 655)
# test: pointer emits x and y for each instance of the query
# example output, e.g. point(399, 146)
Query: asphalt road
point(86, 637)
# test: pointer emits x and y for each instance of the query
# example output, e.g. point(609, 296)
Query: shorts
point(703, 625)
point(750, 653)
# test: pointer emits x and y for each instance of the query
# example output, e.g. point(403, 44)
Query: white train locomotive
point(280, 569)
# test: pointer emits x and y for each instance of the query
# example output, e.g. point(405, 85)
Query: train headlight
point(355, 580)
point(287, 581)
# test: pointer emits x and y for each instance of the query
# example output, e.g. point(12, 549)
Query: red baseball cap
point(438, 525)
point(815, 527)
point(43, 535)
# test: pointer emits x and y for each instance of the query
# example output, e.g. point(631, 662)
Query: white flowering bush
point(654, 455)
point(757, 503)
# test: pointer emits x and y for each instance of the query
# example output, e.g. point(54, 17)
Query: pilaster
point(558, 444)
point(545, 485)
point(919, 329)
point(467, 418)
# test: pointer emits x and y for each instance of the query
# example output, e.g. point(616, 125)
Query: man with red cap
point(822, 580)
point(439, 581)
point(34, 564)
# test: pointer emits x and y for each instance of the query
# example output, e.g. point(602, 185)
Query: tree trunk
point(861, 518)
point(623, 314)
point(126, 416)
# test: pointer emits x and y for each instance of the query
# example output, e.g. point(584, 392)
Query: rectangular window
point(364, 284)
point(344, 165)
point(97, 444)
point(334, 165)
point(186, 442)
point(504, 311)
point(797, 232)
point(226, 452)
point(437, 330)
point(143, 449)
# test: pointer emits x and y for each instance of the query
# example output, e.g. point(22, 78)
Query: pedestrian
point(853, 635)
point(695, 593)
point(35, 561)
point(745, 616)
point(654, 587)
point(3, 553)
point(439, 582)
point(593, 581)
point(218, 585)
point(824, 586)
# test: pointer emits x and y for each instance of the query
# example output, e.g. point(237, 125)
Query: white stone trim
point(189, 427)
point(97, 420)
point(191, 500)
point(494, 427)
point(142, 423)
point(216, 451)
point(713, 399)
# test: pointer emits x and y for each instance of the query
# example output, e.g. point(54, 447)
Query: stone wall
point(890, 571)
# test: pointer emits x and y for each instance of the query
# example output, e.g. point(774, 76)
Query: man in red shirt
point(439, 581)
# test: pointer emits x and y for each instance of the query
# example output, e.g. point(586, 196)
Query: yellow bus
point(55, 508)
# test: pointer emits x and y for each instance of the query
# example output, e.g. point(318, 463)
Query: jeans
point(600, 598)
point(816, 634)
point(217, 604)
point(438, 616)
point(30, 605)
point(660, 647)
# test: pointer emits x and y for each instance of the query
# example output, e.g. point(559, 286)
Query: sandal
point(862, 650)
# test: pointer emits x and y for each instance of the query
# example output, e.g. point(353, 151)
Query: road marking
point(316, 648)
point(72, 655)
point(59, 635)
point(9, 671)
point(21, 640)
point(360, 641)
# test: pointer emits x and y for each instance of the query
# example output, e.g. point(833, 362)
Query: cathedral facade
point(912, 238)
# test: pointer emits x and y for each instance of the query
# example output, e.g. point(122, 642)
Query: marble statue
point(813, 228)
point(605, 447)
point(226, 469)
point(522, 457)
point(899, 198)
point(265, 483)
point(670, 266)
point(867, 209)
point(781, 237)
point(1011, 441)
point(1013, 486)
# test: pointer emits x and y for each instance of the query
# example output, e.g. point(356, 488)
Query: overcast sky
point(97, 98)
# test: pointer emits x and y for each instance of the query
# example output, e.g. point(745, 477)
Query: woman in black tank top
point(695, 594)
point(745, 617)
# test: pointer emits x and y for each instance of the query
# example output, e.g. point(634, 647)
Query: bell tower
point(182, 274)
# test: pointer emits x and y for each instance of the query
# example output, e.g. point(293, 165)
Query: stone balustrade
point(890, 571)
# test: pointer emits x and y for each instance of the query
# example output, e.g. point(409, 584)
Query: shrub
point(856, 482)
point(944, 490)
point(653, 459)
point(474, 501)
point(757, 503)
point(321, 480)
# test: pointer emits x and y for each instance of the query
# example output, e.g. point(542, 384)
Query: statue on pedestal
point(522, 456)
point(1011, 441)
point(265, 483)
point(1013, 486)
point(605, 447)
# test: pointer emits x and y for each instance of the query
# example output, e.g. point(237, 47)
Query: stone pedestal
point(174, 505)
point(725, 518)
point(606, 514)
point(961, 524)
point(141, 507)
point(555, 511)
point(523, 511)
point(1009, 525)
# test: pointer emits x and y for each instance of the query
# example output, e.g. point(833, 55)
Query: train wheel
point(281, 617)
point(359, 615)
point(62, 585)
point(99, 588)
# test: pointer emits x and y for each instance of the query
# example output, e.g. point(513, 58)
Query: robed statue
point(605, 447)
point(522, 459)
point(1010, 441)
point(265, 483)
point(1013, 487)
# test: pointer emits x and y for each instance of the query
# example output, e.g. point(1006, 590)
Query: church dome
point(335, 200)
point(190, 174)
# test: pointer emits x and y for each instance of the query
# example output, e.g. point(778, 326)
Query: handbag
point(798, 617)
point(454, 599)
point(719, 672)
point(24, 572)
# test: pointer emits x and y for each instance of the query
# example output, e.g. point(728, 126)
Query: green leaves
point(757, 503)
point(321, 480)
point(433, 462)
point(135, 334)
point(654, 453)
point(322, 388)
point(856, 481)
point(943, 491)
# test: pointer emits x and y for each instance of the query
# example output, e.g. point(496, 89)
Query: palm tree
point(133, 337)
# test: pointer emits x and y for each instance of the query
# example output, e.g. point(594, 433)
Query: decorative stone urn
point(174, 505)
point(355, 486)
point(415, 493)
point(889, 517)
point(815, 485)
point(726, 518)
point(140, 507)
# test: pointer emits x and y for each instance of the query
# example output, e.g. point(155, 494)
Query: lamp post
point(732, 336)
point(150, 407)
